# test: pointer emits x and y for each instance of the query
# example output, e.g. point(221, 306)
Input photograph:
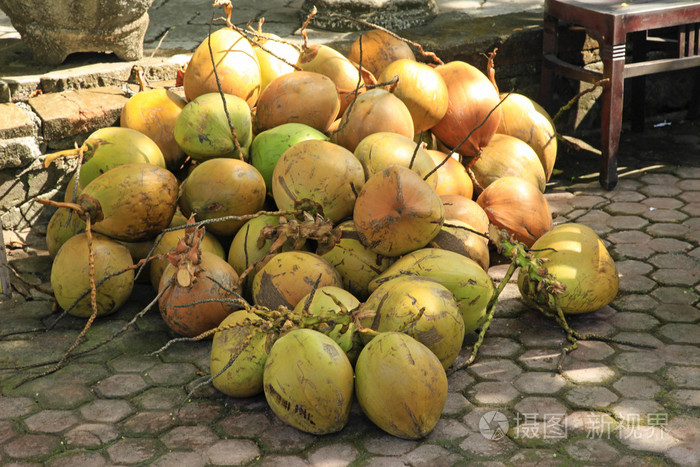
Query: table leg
point(613, 57)
point(549, 46)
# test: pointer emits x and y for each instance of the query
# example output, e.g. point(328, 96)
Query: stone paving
point(610, 404)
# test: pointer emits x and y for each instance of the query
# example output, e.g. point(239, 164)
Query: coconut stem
point(74, 152)
point(307, 21)
point(491, 311)
point(221, 92)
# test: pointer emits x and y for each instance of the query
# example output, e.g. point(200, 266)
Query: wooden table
point(611, 23)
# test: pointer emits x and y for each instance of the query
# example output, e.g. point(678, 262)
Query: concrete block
point(18, 152)
point(71, 113)
point(15, 122)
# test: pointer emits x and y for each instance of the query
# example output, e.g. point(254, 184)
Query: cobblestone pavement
point(611, 404)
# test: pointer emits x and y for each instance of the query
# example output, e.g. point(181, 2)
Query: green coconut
point(308, 382)
point(320, 171)
point(64, 224)
point(289, 276)
point(70, 275)
point(380, 150)
point(464, 277)
point(246, 348)
point(131, 202)
point(420, 307)
point(110, 147)
point(222, 187)
point(578, 259)
point(268, 146)
point(400, 385)
point(202, 130)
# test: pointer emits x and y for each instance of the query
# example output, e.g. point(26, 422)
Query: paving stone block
point(147, 423)
point(133, 363)
point(428, 455)
point(65, 396)
point(629, 321)
point(626, 222)
point(170, 374)
point(664, 215)
point(120, 385)
point(133, 451)
point(636, 411)
point(72, 113)
point(160, 398)
point(540, 359)
point(590, 397)
point(592, 350)
point(388, 445)
point(633, 267)
point(478, 445)
point(681, 333)
point(377, 461)
point(684, 454)
point(242, 451)
point(646, 438)
point(15, 407)
point(659, 179)
point(82, 458)
point(540, 383)
point(499, 347)
point(592, 450)
point(106, 410)
point(667, 229)
point(245, 424)
point(284, 438)
point(455, 404)
point(31, 446)
point(493, 393)
point(91, 435)
point(687, 397)
point(684, 428)
point(447, 430)
point(535, 457)
point(200, 412)
point(541, 408)
point(630, 250)
point(495, 369)
point(660, 190)
point(677, 313)
point(585, 371)
point(638, 362)
point(625, 208)
point(689, 185)
point(181, 459)
point(189, 437)
point(289, 461)
point(684, 376)
point(675, 295)
point(677, 277)
point(50, 421)
point(592, 424)
point(637, 387)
